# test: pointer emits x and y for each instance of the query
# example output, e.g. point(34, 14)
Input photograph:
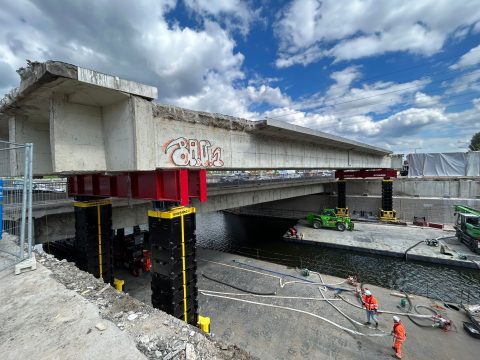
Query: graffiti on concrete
point(193, 152)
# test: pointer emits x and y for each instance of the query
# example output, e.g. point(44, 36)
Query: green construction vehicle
point(467, 226)
point(329, 218)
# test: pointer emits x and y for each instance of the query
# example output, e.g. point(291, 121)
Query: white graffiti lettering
point(193, 152)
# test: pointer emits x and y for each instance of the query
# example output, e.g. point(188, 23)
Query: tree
point(475, 142)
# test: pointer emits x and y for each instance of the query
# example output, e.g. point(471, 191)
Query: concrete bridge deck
point(83, 121)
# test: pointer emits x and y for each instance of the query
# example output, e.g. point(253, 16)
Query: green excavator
point(467, 225)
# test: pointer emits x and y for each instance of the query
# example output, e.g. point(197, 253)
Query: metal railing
point(16, 199)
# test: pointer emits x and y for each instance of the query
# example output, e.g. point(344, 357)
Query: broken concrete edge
point(36, 74)
point(228, 122)
point(130, 315)
point(171, 112)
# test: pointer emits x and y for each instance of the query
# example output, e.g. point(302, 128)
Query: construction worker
point(371, 305)
point(399, 336)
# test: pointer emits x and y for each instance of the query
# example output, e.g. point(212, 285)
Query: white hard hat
point(396, 319)
point(368, 293)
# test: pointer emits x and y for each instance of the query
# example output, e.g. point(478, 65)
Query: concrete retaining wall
point(442, 188)
point(436, 210)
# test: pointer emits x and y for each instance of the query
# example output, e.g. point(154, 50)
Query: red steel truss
point(160, 185)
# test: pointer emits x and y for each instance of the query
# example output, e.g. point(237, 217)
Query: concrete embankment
point(297, 323)
point(392, 240)
point(60, 312)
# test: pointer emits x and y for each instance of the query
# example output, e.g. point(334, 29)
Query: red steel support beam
point(363, 174)
point(160, 185)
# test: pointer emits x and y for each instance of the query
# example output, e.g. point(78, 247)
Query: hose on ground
point(387, 311)
point(294, 277)
point(353, 321)
point(280, 279)
point(267, 296)
point(236, 287)
point(416, 322)
point(411, 247)
point(353, 332)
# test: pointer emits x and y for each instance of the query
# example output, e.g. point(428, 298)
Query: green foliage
point(475, 142)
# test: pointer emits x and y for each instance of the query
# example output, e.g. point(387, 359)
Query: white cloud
point(471, 58)
point(309, 29)
point(468, 81)
point(476, 103)
point(410, 121)
point(198, 68)
point(235, 14)
point(267, 94)
point(424, 100)
point(343, 79)
point(345, 99)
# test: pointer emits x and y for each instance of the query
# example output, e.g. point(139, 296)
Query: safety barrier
point(16, 177)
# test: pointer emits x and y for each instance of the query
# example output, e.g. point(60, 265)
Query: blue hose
point(291, 276)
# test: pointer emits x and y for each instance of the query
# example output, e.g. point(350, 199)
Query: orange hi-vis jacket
point(370, 302)
point(399, 332)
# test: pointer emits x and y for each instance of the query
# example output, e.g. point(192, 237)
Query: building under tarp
point(444, 164)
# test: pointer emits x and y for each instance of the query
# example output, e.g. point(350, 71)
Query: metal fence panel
point(16, 176)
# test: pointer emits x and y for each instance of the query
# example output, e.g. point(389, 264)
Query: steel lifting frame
point(363, 174)
point(175, 185)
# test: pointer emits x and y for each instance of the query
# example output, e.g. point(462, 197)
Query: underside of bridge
point(107, 135)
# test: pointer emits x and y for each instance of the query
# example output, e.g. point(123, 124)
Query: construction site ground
point(391, 240)
point(275, 333)
point(60, 312)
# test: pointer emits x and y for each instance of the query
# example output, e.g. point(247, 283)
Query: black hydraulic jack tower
point(386, 212)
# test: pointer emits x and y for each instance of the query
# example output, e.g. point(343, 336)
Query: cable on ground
point(236, 287)
point(353, 332)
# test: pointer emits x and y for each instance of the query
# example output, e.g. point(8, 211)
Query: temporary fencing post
point(24, 204)
point(29, 178)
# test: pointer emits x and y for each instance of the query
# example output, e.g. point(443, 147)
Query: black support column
point(93, 237)
point(341, 194)
point(386, 212)
point(173, 254)
point(387, 195)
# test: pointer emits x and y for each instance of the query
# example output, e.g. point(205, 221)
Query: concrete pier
point(391, 240)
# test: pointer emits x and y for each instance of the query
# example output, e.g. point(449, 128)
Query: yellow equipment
point(118, 284)
point(388, 215)
point(204, 323)
point(342, 212)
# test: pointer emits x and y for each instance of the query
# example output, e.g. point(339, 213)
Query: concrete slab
point(390, 240)
point(272, 333)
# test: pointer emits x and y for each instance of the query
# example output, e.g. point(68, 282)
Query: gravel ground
point(156, 334)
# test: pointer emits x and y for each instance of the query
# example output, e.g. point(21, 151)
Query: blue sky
point(403, 75)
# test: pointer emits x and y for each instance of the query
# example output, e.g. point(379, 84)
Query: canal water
point(262, 238)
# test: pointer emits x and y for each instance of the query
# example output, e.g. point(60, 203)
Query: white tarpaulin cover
point(444, 164)
point(473, 163)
